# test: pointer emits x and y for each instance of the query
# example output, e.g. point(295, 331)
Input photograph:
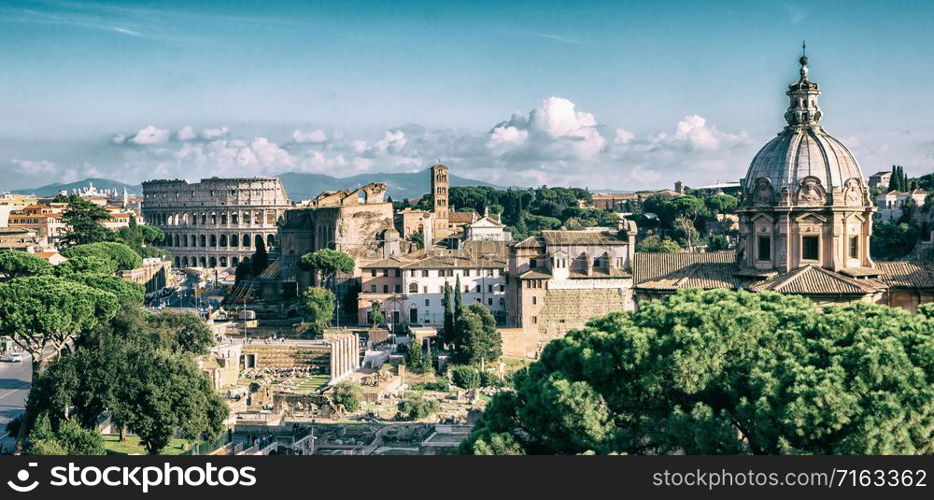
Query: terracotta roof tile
point(907, 274)
point(814, 280)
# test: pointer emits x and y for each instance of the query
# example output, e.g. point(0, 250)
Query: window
point(373, 272)
point(385, 272)
point(810, 247)
point(765, 248)
point(398, 288)
point(534, 300)
point(398, 273)
point(413, 288)
point(385, 288)
point(424, 273)
point(854, 247)
point(533, 263)
point(534, 320)
point(372, 288)
point(489, 289)
point(466, 272)
point(427, 302)
point(489, 301)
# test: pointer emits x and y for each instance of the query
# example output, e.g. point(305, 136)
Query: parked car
point(16, 357)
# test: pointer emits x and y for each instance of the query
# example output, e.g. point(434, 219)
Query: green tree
point(415, 358)
point(465, 377)
point(84, 221)
point(349, 395)
point(41, 315)
point(417, 407)
point(123, 256)
point(319, 308)
point(141, 368)
point(167, 395)
point(86, 264)
point(375, 315)
point(892, 240)
point(16, 263)
point(721, 203)
point(127, 292)
point(68, 439)
point(477, 338)
point(447, 303)
point(655, 243)
point(723, 372)
point(328, 264)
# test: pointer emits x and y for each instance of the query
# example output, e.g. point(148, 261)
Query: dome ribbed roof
point(803, 152)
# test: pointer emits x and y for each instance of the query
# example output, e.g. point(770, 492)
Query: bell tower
point(439, 195)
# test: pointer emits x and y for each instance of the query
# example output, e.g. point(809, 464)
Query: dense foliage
point(140, 367)
point(719, 372)
point(16, 263)
point(476, 338)
point(123, 256)
point(349, 395)
point(328, 263)
point(318, 304)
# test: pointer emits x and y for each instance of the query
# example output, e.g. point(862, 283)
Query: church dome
point(803, 163)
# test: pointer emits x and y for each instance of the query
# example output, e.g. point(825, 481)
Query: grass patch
point(132, 446)
point(313, 382)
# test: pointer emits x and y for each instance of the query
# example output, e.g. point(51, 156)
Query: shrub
point(488, 379)
point(417, 407)
point(348, 394)
point(466, 377)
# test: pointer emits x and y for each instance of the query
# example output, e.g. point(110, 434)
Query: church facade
point(805, 220)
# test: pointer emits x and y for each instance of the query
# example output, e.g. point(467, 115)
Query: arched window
point(178, 261)
point(213, 262)
point(259, 240)
point(194, 242)
point(185, 261)
point(223, 240)
point(213, 241)
point(204, 262)
point(234, 240)
point(413, 287)
point(202, 240)
point(246, 241)
point(223, 261)
point(270, 241)
point(235, 261)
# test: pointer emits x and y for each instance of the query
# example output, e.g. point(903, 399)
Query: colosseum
point(216, 222)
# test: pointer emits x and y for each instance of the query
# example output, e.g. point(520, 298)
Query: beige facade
point(561, 279)
point(356, 222)
point(217, 222)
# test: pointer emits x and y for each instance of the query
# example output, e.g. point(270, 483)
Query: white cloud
point(623, 136)
point(209, 134)
point(148, 136)
point(313, 137)
point(556, 143)
point(554, 130)
point(186, 134)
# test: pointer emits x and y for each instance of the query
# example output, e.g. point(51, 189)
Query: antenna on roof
point(804, 47)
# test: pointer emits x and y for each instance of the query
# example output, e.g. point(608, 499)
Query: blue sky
point(616, 95)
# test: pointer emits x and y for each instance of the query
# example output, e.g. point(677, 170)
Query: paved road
point(14, 386)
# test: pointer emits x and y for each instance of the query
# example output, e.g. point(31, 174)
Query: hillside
point(299, 186)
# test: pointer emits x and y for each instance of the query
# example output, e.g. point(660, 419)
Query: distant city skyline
point(610, 96)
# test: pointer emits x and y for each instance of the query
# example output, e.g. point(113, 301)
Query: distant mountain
point(413, 185)
point(297, 185)
point(53, 189)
